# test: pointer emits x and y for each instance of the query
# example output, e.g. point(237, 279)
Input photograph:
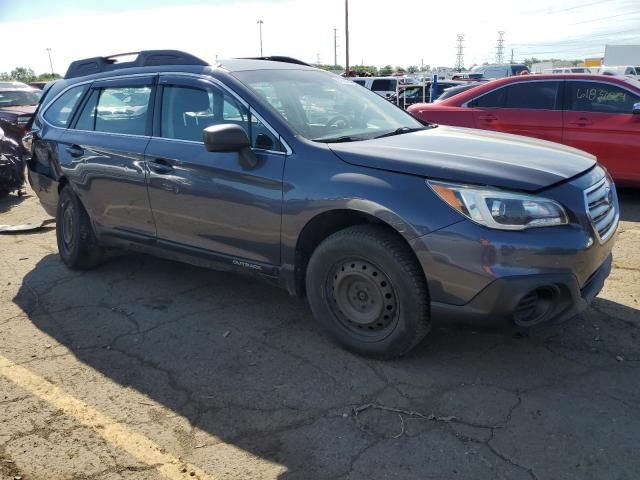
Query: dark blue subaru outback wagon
point(274, 168)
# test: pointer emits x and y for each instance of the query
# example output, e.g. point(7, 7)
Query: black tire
point(366, 287)
point(77, 243)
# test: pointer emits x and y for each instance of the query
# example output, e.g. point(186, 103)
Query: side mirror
point(636, 109)
point(226, 137)
point(229, 137)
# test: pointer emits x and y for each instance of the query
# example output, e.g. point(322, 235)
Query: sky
point(404, 33)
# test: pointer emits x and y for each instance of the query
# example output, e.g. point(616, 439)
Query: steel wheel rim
point(362, 298)
point(67, 227)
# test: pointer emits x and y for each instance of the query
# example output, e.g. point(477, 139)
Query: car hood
point(20, 110)
point(470, 156)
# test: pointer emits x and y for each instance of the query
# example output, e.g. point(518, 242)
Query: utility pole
point(50, 62)
point(346, 35)
point(500, 47)
point(260, 22)
point(512, 56)
point(335, 47)
point(460, 56)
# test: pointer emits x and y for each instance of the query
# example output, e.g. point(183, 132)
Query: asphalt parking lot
point(145, 369)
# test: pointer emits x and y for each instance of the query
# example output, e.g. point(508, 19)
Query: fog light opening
point(535, 307)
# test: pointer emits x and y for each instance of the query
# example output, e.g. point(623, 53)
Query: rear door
point(204, 202)
point(102, 155)
point(530, 108)
point(598, 119)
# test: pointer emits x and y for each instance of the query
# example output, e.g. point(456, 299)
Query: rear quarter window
point(61, 109)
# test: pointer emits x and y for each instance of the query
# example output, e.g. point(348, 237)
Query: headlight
point(500, 209)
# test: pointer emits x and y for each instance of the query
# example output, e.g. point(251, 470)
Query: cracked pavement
point(233, 377)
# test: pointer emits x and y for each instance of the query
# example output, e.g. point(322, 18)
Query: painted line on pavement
point(112, 431)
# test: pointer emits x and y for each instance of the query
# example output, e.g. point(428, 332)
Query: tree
point(365, 70)
point(386, 70)
point(5, 76)
point(530, 61)
point(47, 77)
point(23, 74)
point(327, 67)
point(413, 69)
point(399, 70)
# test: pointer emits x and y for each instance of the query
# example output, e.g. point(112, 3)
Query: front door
point(529, 108)
point(104, 154)
point(205, 202)
point(598, 119)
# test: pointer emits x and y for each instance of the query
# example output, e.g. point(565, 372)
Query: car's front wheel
point(77, 243)
point(366, 287)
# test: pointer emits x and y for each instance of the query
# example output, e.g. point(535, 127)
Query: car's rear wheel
point(77, 242)
point(366, 287)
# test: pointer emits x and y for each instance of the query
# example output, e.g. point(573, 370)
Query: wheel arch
point(325, 224)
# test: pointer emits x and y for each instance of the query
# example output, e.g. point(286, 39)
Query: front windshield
point(17, 98)
point(322, 106)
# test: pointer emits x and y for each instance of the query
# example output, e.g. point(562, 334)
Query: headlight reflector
point(500, 209)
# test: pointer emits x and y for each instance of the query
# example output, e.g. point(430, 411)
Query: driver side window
point(598, 97)
point(186, 111)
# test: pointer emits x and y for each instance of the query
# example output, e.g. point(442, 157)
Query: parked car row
point(423, 93)
point(307, 180)
point(595, 113)
point(18, 102)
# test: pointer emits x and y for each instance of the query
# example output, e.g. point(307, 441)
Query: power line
point(600, 2)
point(634, 12)
point(567, 9)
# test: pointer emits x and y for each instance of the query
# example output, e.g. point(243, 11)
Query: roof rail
point(145, 58)
point(279, 58)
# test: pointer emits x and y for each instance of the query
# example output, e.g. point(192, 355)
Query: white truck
point(620, 56)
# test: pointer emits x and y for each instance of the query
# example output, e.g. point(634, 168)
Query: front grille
point(601, 208)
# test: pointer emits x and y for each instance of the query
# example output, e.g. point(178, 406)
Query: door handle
point(160, 166)
point(75, 151)
point(581, 122)
point(488, 118)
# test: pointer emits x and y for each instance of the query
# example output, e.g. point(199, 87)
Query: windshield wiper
point(344, 138)
point(401, 130)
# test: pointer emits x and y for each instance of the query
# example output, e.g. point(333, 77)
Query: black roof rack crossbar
point(145, 58)
point(279, 58)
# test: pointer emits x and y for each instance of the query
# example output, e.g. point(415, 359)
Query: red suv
point(596, 113)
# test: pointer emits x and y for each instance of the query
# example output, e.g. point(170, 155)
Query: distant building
point(618, 55)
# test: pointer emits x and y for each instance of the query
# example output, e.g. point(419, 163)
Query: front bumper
point(509, 300)
point(488, 276)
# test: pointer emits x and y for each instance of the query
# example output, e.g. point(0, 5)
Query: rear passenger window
point(122, 110)
point(532, 95)
point(59, 113)
point(493, 99)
